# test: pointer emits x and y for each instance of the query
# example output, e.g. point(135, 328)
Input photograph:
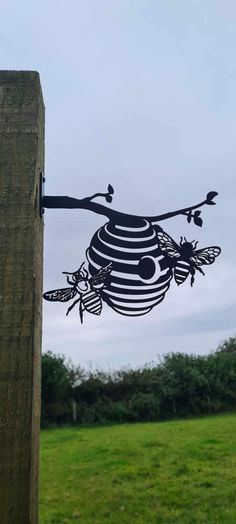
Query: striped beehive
point(140, 274)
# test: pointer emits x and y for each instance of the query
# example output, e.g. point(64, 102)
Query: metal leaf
point(211, 195)
point(197, 221)
point(110, 190)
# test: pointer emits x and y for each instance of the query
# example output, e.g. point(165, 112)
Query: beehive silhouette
point(140, 274)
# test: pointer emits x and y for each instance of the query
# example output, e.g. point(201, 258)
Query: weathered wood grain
point(21, 254)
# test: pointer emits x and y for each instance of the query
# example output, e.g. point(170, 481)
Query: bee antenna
point(73, 272)
point(81, 266)
point(181, 240)
point(185, 239)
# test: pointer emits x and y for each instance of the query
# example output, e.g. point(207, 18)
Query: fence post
point(21, 258)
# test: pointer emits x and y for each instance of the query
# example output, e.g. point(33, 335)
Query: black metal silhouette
point(140, 273)
point(87, 288)
point(142, 259)
point(187, 258)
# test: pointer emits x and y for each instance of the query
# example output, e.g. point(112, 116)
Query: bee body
point(186, 259)
point(181, 271)
point(92, 302)
point(86, 289)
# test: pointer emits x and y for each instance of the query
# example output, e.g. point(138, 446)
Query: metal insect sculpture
point(187, 258)
point(131, 260)
point(88, 290)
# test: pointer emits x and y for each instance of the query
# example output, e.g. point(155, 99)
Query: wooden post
point(21, 253)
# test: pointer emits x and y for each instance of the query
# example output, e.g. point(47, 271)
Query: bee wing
point(168, 245)
point(60, 295)
point(206, 255)
point(98, 281)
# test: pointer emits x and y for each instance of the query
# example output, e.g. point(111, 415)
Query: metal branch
point(171, 214)
point(113, 215)
point(66, 202)
point(96, 195)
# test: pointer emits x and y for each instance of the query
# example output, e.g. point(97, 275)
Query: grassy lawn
point(171, 472)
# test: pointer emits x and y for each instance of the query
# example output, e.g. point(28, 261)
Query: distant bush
point(56, 392)
point(178, 385)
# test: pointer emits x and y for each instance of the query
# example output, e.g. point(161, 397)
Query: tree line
point(177, 385)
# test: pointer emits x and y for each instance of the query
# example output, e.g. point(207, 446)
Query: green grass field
point(171, 472)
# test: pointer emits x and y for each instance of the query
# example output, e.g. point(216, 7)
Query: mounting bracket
point(42, 180)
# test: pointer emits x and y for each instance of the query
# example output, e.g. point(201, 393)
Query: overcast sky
point(139, 94)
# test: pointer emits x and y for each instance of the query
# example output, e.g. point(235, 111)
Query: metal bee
point(88, 289)
point(187, 258)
